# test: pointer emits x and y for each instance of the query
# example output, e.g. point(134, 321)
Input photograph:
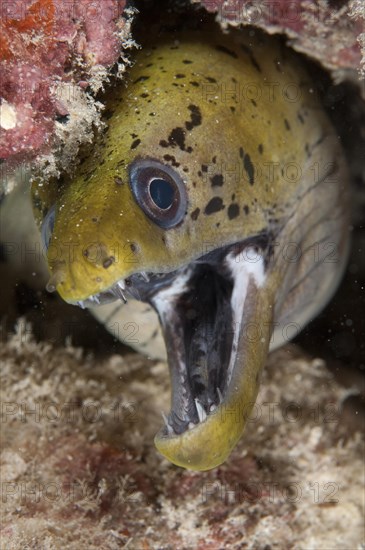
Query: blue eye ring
point(48, 226)
point(159, 191)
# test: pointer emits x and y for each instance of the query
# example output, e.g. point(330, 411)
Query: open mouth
point(202, 308)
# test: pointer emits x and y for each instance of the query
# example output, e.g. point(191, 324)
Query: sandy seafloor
point(79, 412)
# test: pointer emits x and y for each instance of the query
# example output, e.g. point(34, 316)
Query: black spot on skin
point(233, 109)
point(287, 125)
point(210, 79)
point(193, 83)
point(233, 197)
point(214, 160)
point(134, 135)
point(300, 118)
point(248, 51)
point(176, 137)
point(149, 65)
point(307, 150)
point(194, 215)
point(180, 75)
point(171, 158)
point(217, 180)
point(204, 168)
point(186, 169)
point(135, 143)
point(118, 180)
point(95, 219)
point(233, 211)
point(260, 148)
point(223, 49)
point(141, 79)
point(108, 262)
point(218, 224)
point(145, 94)
point(196, 117)
point(248, 166)
point(133, 247)
point(246, 209)
point(214, 205)
point(187, 61)
point(253, 102)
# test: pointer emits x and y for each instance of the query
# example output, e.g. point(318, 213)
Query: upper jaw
point(203, 308)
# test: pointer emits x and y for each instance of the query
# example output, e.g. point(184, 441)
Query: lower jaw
point(205, 441)
point(209, 443)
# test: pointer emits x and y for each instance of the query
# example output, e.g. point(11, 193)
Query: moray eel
point(217, 194)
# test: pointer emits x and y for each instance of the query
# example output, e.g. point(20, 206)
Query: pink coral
point(44, 42)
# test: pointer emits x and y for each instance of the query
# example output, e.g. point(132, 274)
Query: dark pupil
point(162, 193)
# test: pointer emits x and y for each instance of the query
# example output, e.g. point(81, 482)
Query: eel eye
point(159, 191)
point(48, 226)
point(162, 193)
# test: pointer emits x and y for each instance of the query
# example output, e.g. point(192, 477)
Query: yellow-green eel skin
point(238, 119)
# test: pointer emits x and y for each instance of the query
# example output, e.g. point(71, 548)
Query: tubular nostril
point(56, 278)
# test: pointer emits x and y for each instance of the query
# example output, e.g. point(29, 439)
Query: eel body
point(217, 196)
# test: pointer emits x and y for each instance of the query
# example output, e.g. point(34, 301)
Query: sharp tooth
point(81, 304)
point(118, 291)
point(121, 284)
point(191, 425)
point(170, 430)
point(145, 276)
point(212, 407)
point(201, 412)
point(95, 299)
point(220, 395)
